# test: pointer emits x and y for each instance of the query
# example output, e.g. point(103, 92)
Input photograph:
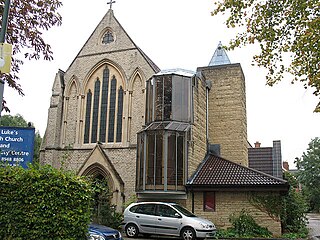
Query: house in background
point(160, 135)
point(266, 159)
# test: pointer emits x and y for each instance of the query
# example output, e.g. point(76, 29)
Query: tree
point(309, 173)
point(288, 33)
point(19, 121)
point(27, 21)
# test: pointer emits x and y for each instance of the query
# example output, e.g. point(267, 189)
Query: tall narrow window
point(119, 115)
point(158, 99)
point(159, 161)
point(167, 98)
point(150, 161)
point(88, 115)
point(104, 105)
point(140, 162)
point(209, 201)
point(112, 109)
point(95, 114)
point(180, 159)
point(172, 155)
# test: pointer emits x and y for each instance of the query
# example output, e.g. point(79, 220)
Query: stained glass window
point(104, 105)
point(88, 114)
point(119, 115)
point(112, 109)
point(95, 113)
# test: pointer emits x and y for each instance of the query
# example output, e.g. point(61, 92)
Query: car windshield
point(184, 211)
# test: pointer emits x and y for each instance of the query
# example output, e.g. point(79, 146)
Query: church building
point(156, 134)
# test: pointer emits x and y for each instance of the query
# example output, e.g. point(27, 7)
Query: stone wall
point(198, 144)
point(228, 203)
point(227, 111)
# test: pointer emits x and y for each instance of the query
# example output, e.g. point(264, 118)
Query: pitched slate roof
point(216, 172)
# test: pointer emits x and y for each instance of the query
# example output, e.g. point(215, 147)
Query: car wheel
point(188, 234)
point(131, 230)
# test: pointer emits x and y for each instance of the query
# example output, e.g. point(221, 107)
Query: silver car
point(161, 218)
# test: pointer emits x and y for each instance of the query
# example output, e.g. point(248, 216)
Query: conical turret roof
point(219, 57)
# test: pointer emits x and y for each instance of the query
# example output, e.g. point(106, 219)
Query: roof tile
point(216, 171)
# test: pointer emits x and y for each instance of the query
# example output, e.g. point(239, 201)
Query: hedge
point(43, 203)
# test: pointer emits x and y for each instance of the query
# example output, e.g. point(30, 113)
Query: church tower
point(227, 118)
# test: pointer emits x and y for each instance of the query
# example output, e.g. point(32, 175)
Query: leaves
point(27, 21)
point(309, 172)
point(288, 33)
point(43, 203)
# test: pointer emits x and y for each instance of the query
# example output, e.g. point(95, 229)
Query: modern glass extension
point(163, 144)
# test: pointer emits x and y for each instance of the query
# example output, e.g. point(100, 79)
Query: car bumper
point(205, 233)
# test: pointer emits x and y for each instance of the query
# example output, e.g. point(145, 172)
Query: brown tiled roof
point(216, 172)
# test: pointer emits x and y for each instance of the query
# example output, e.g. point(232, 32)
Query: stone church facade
point(170, 135)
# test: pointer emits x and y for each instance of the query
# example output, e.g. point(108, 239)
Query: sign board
point(5, 57)
point(16, 146)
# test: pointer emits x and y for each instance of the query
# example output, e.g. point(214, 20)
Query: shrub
point(290, 208)
point(104, 212)
point(244, 226)
point(43, 203)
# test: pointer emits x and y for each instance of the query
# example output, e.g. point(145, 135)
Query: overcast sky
point(174, 34)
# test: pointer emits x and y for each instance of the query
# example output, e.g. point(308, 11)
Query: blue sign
point(16, 146)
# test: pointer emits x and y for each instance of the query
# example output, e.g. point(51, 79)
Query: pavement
point(313, 226)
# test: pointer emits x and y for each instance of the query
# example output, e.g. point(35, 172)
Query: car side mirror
point(177, 215)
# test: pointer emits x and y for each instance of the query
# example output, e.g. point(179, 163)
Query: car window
point(134, 208)
point(148, 209)
point(166, 211)
point(184, 211)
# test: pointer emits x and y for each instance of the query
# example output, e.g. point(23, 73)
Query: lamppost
point(2, 40)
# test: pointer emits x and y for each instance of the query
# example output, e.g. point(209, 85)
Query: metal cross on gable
point(111, 1)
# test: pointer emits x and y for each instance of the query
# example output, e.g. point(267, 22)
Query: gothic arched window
point(112, 109)
point(95, 114)
point(104, 109)
point(108, 37)
point(119, 117)
point(104, 105)
point(88, 117)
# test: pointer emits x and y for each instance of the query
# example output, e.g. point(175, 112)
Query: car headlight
point(205, 226)
point(93, 236)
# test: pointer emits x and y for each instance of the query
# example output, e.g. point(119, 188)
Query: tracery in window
point(104, 107)
point(108, 37)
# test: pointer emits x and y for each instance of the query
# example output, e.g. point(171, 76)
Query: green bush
point(244, 226)
point(43, 203)
point(104, 212)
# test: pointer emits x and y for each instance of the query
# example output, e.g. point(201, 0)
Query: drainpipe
point(208, 87)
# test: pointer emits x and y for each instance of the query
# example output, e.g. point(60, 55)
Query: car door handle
point(159, 219)
point(137, 216)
